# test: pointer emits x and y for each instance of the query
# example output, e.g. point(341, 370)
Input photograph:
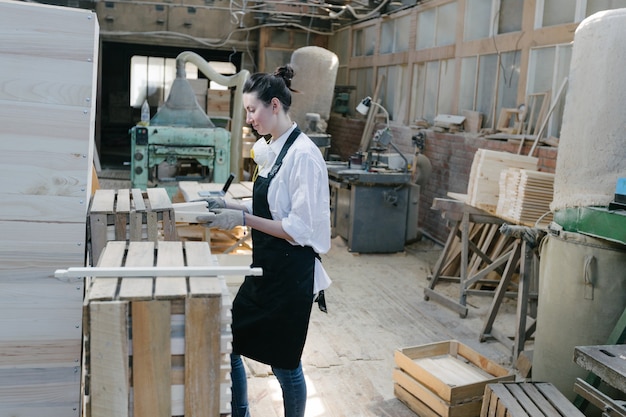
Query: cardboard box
point(449, 378)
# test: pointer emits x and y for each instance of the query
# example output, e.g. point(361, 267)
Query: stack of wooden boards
point(444, 379)
point(525, 196)
point(156, 346)
point(510, 186)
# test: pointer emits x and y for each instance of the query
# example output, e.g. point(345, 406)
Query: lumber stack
point(49, 57)
point(525, 196)
point(483, 187)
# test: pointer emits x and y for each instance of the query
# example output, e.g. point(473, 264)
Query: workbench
point(608, 362)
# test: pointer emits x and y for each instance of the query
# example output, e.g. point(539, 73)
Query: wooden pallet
point(157, 346)
point(132, 215)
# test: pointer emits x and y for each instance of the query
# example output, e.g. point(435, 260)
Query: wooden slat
point(122, 211)
point(524, 400)
point(151, 358)
point(199, 254)
point(558, 400)
point(158, 199)
point(106, 288)
point(542, 403)
point(138, 201)
point(202, 357)
point(138, 288)
point(170, 254)
point(109, 383)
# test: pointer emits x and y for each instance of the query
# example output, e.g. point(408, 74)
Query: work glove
point(213, 202)
point(224, 219)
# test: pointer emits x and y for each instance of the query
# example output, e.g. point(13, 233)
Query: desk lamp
point(382, 136)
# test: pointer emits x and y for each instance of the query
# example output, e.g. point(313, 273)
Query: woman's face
point(259, 115)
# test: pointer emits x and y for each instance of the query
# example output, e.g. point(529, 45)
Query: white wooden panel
point(40, 309)
point(40, 390)
point(35, 353)
point(46, 80)
point(47, 113)
point(47, 31)
point(26, 246)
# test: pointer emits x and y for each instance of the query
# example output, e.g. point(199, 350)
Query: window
point(436, 26)
point(392, 91)
point(594, 6)
point(340, 44)
point(364, 41)
point(151, 78)
point(558, 12)
point(547, 69)
point(489, 83)
point(485, 18)
point(434, 89)
point(393, 35)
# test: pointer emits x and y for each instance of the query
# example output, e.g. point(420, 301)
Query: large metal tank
point(591, 148)
point(582, 287)
point(315, 76)
point(582, 279)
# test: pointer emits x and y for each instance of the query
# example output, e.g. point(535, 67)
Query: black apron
point(271, 312)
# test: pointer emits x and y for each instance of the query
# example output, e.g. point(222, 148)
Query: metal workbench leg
point(464, 258)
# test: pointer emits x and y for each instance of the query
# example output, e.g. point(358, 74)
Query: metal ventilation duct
point(181, 107)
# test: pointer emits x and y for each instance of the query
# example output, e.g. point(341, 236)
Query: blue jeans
point(291, 381)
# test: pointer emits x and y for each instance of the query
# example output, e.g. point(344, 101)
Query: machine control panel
point(141, 136)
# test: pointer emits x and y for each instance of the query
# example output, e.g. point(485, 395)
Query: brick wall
point(451, 156)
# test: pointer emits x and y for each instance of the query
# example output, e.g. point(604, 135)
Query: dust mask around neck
point(260, 152)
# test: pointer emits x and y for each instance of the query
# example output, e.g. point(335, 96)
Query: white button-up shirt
point(299, 193)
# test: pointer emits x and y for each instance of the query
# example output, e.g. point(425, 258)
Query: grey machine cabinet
point(370, 210)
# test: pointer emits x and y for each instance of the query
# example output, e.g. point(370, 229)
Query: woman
point(290, 220)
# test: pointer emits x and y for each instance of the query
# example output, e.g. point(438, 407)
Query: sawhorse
point(526, 241)
point(461, 216)
point(494, 252)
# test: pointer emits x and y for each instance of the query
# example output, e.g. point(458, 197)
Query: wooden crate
point(444, 379)
point(132, 215)
point(157, 346)
point(526, 399)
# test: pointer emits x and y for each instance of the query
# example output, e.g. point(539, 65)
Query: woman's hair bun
point(286, 73)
